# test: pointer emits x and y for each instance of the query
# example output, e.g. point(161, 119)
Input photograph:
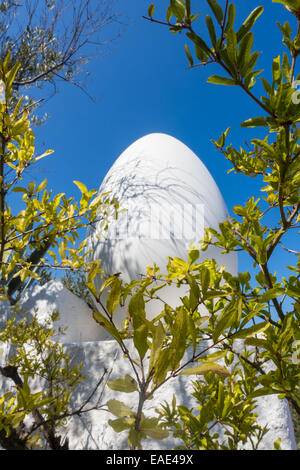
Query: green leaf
point(225, 320)
point(83, 189)
point(188, 8)
point(215, 79)
point(114, 295)
point(220, 399)
point(105, 323)
point(249, 22)
point(217, 10)
point(169, 14)
point(42, 186)
point(211, 29)
point(92, 288)
point(157, 341)
point(106, 283)
point(31, 186)
point(267, 86)
point(205, 280)
point(213, 356)
point(179, 264)
point(194, 292)
point(178, 9)
point(19, 189)
point(43, 155)
point(180, 333)
point(221, 142)
point(248, 67)
point(286, 67)
point(189, 55)
point(253, 330)
point(276, 71)
point(262, 392)
point(277, 443)
point(127, 384)
point(140, 339)
point(136, 308)
point(240, 210)
point(265, 146)
point(119, 408)
point(10, 76)
point(162, 365)
point(199, 43)
point(230, 17)
point(292, 4)
point(205, 368)
point(150, 427)
point(259, 343)
point(151, 10)
point(193, 256)
point(244, 51)
point(120, 424)
point(192, 331)
point(272, 294)
point(255, 122)
point(134, 438)
point(231, 47)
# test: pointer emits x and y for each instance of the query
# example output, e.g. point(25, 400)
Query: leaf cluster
point(35, 353)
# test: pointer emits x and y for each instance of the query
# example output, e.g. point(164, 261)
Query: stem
point(2, 194)
point(246, 90)
point(224, 22)
point(2, 203)
point(218, 60)
point(158, 22)
point(142, 398)
point(121, 343)
point(282, 232)
point(268, 279)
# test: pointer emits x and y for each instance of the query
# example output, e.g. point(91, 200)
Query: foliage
point(43, 234)
point(181, 341)
point(37, 354)
point(262, 310)
point(246, 344)
point(53, 41)
point(224, 417)
point(46, 221)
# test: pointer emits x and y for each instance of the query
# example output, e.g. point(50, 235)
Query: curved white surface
point(170, 196)
point(74, 314)
point(91, 430)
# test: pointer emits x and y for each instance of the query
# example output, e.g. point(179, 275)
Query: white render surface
point(91, 430)
point(170, 198)
point(74, 311)
point(156, 172)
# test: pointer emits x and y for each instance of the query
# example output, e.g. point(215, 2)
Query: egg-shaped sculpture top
point(169, 197)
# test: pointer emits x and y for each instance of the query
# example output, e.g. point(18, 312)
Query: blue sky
point(142, 84)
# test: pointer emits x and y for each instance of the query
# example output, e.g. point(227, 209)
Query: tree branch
point(54, 442)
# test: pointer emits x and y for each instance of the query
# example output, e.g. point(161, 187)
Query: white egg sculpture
point(169, 197)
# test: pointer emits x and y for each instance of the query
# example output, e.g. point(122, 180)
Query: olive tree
point(43, 234)
point(53, 41)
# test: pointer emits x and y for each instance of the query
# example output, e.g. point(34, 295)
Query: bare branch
point(55, 41)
